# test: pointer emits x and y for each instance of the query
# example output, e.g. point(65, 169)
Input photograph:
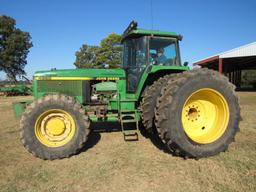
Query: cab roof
point(133, 31)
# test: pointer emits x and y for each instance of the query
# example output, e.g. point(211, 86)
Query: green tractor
point(194, 112)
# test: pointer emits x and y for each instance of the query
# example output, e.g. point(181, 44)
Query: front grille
point(72, 88)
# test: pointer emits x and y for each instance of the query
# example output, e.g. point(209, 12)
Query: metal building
point(232, 62)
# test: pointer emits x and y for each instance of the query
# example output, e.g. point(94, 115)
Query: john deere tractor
point(194, 112)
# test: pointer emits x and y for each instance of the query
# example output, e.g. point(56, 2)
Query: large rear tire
point(197, 114)
point(149, 100)
point(54, 127)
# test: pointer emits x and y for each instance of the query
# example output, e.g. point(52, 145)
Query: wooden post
point(220, 65)
point(236, 78)
point(232, 77)
point(239, 78)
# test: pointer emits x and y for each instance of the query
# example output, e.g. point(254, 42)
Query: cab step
point(127, 120)
point(131, 135)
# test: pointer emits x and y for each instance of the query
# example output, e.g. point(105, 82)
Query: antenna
point(151, 14)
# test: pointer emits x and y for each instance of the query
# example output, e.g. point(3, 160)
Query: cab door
point(135, 61)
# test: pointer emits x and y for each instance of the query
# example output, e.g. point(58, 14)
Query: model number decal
point(107, 78)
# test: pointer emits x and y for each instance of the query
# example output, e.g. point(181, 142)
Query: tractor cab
point(146, 48)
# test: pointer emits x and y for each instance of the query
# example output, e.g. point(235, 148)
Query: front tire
point(54, 127)
point(197, 114)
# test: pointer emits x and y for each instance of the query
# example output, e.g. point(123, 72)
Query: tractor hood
point(80, 74)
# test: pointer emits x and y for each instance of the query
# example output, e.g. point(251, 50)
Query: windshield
point(163, 51)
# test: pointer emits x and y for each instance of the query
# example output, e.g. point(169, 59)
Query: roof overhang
point(248, 50)
point(207, 60)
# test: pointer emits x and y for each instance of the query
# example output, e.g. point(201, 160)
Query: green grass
point(111, 164)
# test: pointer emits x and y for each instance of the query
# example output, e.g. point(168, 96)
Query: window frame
point(169, 38)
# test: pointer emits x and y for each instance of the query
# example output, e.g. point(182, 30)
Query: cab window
point(163, 51)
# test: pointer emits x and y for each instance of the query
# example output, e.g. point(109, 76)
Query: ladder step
point(129, 120)
point(128, 110)
point(130, 135)
point(128, 114)
point(130, 132)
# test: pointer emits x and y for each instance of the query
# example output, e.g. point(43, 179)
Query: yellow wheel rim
point(205, 116)
point(55, 128)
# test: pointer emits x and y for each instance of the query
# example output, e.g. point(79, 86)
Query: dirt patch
point(108, 163)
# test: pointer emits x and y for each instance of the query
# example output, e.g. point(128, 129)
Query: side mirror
point(106, 66)
point(153, 62)
point(185, 64)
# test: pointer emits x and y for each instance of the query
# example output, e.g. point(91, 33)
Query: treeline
point(6, 82)
point(249, 78)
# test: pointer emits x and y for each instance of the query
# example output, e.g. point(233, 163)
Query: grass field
point(107, 163)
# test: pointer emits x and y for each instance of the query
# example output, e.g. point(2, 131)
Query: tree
point(249, 77)
point(96, 56)
point(109, 52)
point(14, 47)
point(86, 56)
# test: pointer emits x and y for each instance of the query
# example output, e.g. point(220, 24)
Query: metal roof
point(242, 51)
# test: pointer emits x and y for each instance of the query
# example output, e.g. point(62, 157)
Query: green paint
point(106, 86)
point(93, 73)
point(153, 32)
point(154, 70)
point(17, 89)
point(146, 32)
point(19, 107)
point(109, 119)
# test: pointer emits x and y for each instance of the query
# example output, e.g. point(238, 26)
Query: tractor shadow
point(154, 138)
point(109, 127)
point(97, 128)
